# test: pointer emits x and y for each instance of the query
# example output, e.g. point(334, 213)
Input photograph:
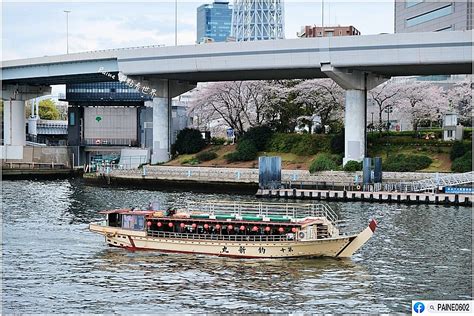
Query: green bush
point(206, 155)
point(218, 141)
point(259, 136)
point(246, 151)
point(458, 150)
point(463, 163)
point(190, 161)
point(467, 134)
point(189, 141)
point(323, 162)
point(337, 143)
point(299, 144)
point(406, 163)
point(353, 165)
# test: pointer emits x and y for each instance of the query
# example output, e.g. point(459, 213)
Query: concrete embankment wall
point(248, 175)
point(334, 184)
point(40, 162)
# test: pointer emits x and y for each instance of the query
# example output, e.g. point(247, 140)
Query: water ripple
point(52, 264)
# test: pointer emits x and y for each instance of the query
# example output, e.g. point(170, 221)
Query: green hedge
point(406, 162)
point(246, 151)
point(299, 144)
point(324, 162)
point(463, 163)
point(352, 165)
point(259, 136)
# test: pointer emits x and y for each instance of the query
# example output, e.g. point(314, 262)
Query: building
point(104, 118)
point(327, 31)
point(214, 22)
point(254, 20)
point(432, 16)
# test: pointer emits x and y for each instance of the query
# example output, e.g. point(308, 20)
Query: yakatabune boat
point(243, 230)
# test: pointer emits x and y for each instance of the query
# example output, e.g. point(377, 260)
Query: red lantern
point(267, 229)
point(293, 230)
point(170, 224)
point(281, 230)
point(182, 225)
point(242, 227)
point(159, 224)
point(148, 223)
point(218, 227)
point(255, 229)
point(194, 226)
point(206, 226)
point(230, 227)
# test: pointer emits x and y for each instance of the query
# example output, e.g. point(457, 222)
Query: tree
point(319, 97)
point(236, 104)
point(48, 110)
point(283, 111)
point(460, 101)
point(421, 102)
point(385, 96)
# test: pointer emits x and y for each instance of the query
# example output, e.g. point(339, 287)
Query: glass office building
point(432, 16)
point(214, 21)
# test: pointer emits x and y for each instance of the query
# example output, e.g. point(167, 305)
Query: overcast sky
point(38, 28)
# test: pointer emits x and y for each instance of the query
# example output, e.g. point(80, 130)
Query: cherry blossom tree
point(460, 101)
point(421, 101)
point(283, 111)
point(319, 97)
point(385, 96)
point(235, 104)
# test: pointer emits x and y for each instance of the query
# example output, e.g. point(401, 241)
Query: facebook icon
point(418, 307)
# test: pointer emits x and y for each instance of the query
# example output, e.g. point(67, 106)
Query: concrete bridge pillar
point(14, 134)
point(165, 90)
point(14, 123)
point(356, 83)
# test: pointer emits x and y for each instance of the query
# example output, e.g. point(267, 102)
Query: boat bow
point(355, 244)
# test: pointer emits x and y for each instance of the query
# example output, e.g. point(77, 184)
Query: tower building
point(254, 20)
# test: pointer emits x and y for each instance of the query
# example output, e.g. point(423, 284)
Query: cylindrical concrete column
point(14, 123)
point(32, 122)
point(161, 150)
point(354, 119)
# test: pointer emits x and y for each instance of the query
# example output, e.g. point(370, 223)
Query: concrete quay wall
point(250, 175)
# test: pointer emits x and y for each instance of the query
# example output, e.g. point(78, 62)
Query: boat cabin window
point(134, 222)
point(114, 220)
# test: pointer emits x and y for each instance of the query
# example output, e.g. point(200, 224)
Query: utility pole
point(67, 30)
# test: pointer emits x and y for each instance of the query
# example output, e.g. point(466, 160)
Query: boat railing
point(288, 210)
point(237, 238)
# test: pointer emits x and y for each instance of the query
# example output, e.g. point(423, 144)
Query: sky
point(38, 28)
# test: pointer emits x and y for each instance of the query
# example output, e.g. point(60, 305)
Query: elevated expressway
point(356, 63)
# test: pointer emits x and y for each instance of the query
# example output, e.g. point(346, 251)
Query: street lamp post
point(67, 30)
point(175, 22)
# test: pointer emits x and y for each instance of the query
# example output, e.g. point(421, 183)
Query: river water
point(53, 264)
